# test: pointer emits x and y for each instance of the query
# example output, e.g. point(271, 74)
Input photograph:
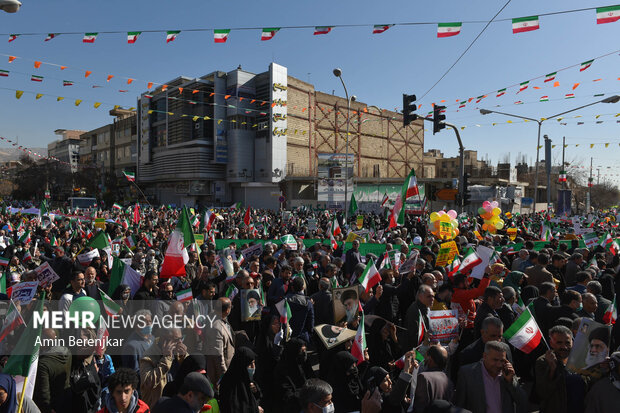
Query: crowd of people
point(296, 328)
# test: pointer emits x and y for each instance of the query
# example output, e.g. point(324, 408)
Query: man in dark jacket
point(416, 319)
point(493, 299)
point(569, 303)
point(433, 383)
point(53, 373)
point(195, 391)
point(323, 313)
point(353, 258)
point(302, 311)
point(594, 287)
point(542, 306)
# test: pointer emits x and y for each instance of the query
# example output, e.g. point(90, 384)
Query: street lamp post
point(338, 74)
point(611, 99)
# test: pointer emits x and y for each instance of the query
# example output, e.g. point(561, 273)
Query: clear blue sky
point(376, 68)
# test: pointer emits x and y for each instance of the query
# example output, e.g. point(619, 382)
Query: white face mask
point(327, 409)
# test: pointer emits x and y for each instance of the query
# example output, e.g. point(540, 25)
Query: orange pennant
point(536, 87)
point(419, 106)
point(149, 85)
point(432, 105)
point(211, 94)
point(195, 91)
point(63, 67)
point(597, 80)
point(470, 99)
point(37, 65)
point(129, 81)
point(164, 87)
point(253, 100)
point(181, 90)
point(556, 84)
point(110, 77)
point(303, 110)
point(11, 58)
point(263, 103)
point(442, 101)
point(575, 86)
point(88, 73)
point(226, 97)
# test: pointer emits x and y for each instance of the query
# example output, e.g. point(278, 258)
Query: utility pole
point(563, 165)
point(548, 168)
point(589, 188)
point(598, 177)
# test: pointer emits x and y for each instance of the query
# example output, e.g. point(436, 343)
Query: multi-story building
point(430, 161)
point(448, 167)
point(66, 149)
point(265, 138)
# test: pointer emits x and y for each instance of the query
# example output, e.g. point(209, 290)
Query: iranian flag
point(525, 24)
point(110, 306)
point(176, 254)
point(24, 360)
point(336, 227)
point(209, 218)
point(453, 268)
point(501, 92)
point(12, 320)
point(171, 35)
point(370, 277)
point(89, 37)
point(470, 261)
point(67, 83)
point(185, 295)
point(524, 333)
point(4, 73)
point(289, 242)
point(610, 316)
point(36, 78)
point(606, 241)
point(523, 86)
point(462, 104)
point(13, 37)
point(333, 241)
point(395, 215)
point(268, 33)
point(50, 36)
point(123, 274)
point(448, 29)
point(132, 37)
point(569, 96)
point(550, 77)
point(544, 99)
point(562, 176)
point(385, 199)
point(585, 65)
point(117, 206)
point(606, 14)
point(385, 262)
point(131, 176)
point(380, 28)
point(231, 291)
point(410, 186)
point(421, 329)
point(359, 343)
point(285, 311)
point(221, 35)
point(4, 261)
point(322, 30)
point(25, 238)
point(545, 233)
point(102, 241)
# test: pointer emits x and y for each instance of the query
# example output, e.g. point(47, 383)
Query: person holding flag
point(416, 318)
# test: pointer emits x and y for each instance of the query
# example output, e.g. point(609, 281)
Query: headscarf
point(347, 387)
point(191, 363)
point(529, 293)
point(513, 279)
point(289, 365)
point(8, 384)
point(380, 351)
point(376, 375)
point(235, 393)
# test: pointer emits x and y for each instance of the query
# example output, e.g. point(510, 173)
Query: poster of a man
point(251, 305)
point(346, 304)
point(590, 348)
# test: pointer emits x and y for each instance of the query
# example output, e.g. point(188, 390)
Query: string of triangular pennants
point(606, 14)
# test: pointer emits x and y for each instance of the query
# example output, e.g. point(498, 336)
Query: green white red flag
point(36, 78)
point(13, 37)
point(89, 37)
point(12, 320)
point(322, 30)
point(524, 333)
point(50, 36)
point(370, 277)
point(269, 33)
point(550, 77)
point(607, 14)
point(470, 260)
point(185, 295)
point(501, 92)
point(585, 65)
point(131, 176)
point(448, 29)
point(220, 35)
point(132, 37)
point(523, 86)
point(176, 254)
point(110, 306)
point(525, 24)
point(359, 342)
point(171, 35)
point(380, 28)
point(611, 315)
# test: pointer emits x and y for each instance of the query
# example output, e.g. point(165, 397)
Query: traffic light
point(438, 118)
point(409, 107)
point(466, 193)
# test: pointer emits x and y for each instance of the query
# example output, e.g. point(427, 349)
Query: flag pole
point(21, 398)
point(144, 196)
